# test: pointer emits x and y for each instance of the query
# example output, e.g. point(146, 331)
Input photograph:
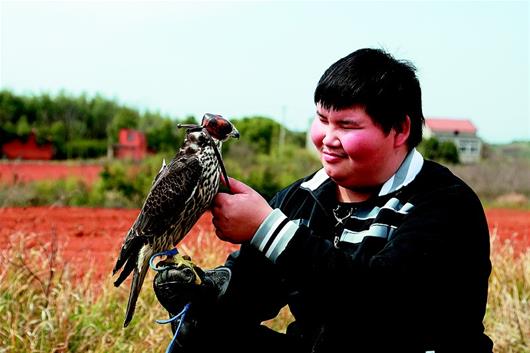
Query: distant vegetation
point(502, 178)
point(268, 156)
point(443, 151)
point(516, 149)
point(82, 127)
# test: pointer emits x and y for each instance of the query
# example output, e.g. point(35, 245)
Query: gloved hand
point(181, 283)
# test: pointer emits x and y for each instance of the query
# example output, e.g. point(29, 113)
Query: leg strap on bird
point(168, 253)
point(176, 259)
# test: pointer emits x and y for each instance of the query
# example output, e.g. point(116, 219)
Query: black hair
point(386, 88)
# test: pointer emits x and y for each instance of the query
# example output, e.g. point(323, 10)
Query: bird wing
point(168, 197)
point(174, 185)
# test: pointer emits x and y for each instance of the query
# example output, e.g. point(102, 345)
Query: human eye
point(350, 125)
point(322, 119)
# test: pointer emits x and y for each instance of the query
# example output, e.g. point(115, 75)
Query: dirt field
point(88, 238)
point(510, 225)
point(94, 236)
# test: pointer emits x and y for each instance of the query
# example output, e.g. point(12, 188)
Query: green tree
point(161, 133)
point(101, 113)
point(449, 152)
point(445, 151)
point(125, 118)
point(429, 148)
point(23, 127)
point(11, 107)
point(258, 132)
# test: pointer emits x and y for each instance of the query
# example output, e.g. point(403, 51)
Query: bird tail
point(131, 246)
point(136, 286)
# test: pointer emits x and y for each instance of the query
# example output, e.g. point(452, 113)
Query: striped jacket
point(405, 271)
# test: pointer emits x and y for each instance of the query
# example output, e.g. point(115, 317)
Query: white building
point(460, 131)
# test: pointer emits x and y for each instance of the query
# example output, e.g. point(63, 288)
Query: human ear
point(402, 135)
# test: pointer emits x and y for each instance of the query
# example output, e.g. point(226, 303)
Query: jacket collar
point(405, 174)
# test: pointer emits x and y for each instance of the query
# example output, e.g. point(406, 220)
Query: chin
point(340, 178)
point(334, 174)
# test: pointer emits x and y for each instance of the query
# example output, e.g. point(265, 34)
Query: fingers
point(236, 186)
point(217, 205)
point(223, 237)
point(220, 226)
point(216, 213)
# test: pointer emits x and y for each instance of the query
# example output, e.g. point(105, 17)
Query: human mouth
point(332, 157)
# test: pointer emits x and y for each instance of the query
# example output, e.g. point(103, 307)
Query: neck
point(355, 195)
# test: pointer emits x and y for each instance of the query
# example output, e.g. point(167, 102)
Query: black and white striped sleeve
point(274, 234)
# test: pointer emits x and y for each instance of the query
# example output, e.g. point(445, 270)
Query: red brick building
point(29, 149)
point(131, 144)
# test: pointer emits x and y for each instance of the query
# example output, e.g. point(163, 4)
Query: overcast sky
point(265, 58)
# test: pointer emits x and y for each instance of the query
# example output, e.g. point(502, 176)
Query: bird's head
point(219, 127)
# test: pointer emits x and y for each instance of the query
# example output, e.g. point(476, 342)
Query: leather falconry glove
point(183, 282)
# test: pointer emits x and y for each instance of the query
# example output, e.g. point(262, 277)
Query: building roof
point(450, 125)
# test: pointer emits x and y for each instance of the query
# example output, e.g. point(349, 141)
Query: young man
point(379, 251)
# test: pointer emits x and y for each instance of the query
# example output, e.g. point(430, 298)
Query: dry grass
point(43, 310)
point(508, 316)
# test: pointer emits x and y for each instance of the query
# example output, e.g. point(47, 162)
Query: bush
point(448, 152)
point(444, 151)
point(62, 192)
point(269, 173)
point(126, 183)
point(86, 149)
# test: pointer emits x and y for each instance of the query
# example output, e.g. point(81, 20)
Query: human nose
point(330, 137)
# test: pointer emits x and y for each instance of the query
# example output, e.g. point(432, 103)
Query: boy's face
point(354, 151)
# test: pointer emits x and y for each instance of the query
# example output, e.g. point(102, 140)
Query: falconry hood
point(218, 127)
point(217, 130)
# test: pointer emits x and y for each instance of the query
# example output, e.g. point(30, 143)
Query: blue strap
point(181, 316)
point(171, 252)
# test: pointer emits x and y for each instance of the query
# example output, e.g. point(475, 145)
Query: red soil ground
point(90, 238)
point(22, 171)
point(94, 236)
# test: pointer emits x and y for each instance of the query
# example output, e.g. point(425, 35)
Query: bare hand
point(237, 217)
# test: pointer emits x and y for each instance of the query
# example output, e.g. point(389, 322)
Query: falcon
point(181, 192)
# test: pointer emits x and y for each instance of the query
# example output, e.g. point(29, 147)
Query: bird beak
point(234, 133)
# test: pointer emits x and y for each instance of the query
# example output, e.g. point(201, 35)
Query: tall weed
point(508, 314)
point(46, 308)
